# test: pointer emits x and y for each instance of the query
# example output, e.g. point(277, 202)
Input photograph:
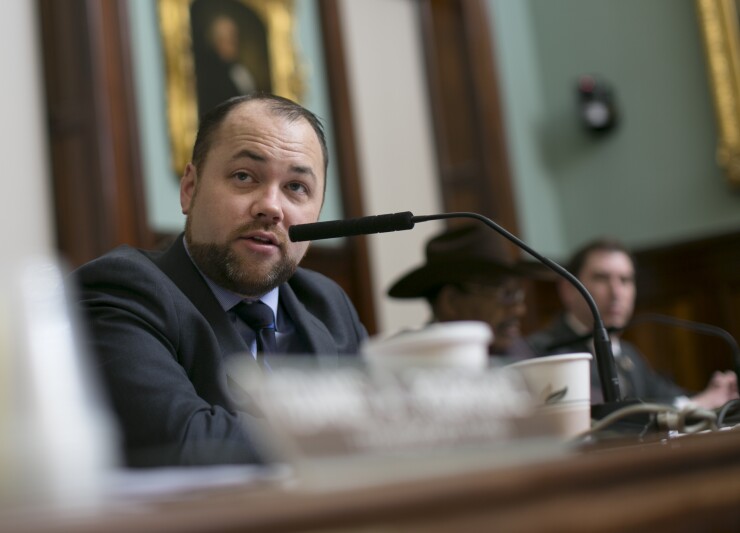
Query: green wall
point(652, 181)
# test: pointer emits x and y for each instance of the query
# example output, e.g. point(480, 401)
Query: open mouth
point(263, 243)
point(262, 240)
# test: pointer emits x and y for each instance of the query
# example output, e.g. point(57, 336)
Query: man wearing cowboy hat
point(468, 275)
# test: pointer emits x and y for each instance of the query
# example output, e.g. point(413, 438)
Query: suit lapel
point(178, 266)
point(317, 337)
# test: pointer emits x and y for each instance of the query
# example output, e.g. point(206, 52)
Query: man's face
point(262, 174)
point(224, 37)
point(610, 278)
point(501, 306)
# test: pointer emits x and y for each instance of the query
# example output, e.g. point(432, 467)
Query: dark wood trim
point(132, 213)
point(491, 130)
point(469, 126)
point(355, 249)
point(73, 146)
point(695, 280)
point(687, 483)
point(340, 101)
point(466, 112)
point(92, 125)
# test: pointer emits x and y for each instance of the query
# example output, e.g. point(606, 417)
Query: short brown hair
point(284, 107)
point(603, 244)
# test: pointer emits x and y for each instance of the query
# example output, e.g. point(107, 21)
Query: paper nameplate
point(350, 413)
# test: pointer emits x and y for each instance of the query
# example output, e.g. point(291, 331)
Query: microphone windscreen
point(353, 226)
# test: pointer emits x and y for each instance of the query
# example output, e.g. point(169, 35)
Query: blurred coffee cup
point(459, 345)
point(561, 386)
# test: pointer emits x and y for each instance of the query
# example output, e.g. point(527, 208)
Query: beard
point(226, 268)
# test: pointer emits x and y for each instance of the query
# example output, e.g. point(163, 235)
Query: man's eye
point(241, 176)
point(297, 187)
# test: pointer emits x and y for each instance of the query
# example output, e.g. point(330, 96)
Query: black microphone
point(406, 220)
point(352, 226)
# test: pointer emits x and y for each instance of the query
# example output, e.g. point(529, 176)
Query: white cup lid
point(436, 334)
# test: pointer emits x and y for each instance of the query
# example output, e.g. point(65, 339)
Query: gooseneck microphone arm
point(690, 325)
point(406, 220)
point(700, 327)
point(602, 341)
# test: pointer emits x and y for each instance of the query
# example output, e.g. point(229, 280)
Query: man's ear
point(188, 183)
point(445, 304)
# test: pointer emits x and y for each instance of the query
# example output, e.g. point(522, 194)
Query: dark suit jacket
point(214, 84)
point(636, 378)
point(161, 339)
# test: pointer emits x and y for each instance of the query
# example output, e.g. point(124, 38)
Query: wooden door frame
point(469, 127)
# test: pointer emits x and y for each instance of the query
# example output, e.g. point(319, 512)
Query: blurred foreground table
point(687, 483)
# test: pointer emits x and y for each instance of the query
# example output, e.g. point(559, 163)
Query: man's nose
point(268, 204)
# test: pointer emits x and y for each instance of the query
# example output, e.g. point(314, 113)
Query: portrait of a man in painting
point(230, 50)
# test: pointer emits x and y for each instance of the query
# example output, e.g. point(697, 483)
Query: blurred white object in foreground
point(462, 345)
point(58, 439)
point(351, 425)
point(561, 385)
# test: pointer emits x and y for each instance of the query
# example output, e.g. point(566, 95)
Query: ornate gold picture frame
point(719, 24)
point(266, 58)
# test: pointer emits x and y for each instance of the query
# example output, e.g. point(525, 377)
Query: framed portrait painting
point(217, 49)
point(720, 26)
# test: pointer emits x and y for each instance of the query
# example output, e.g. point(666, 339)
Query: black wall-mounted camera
point(596, 104)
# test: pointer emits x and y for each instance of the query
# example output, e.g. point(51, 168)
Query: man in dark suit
point(220, 73)
point(163, 325)
point(606, 269)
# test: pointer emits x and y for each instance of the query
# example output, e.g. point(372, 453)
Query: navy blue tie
point(259, 317)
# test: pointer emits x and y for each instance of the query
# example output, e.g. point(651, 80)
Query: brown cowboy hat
point(467, 254)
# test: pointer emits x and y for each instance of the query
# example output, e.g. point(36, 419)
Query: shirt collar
point(228, 299)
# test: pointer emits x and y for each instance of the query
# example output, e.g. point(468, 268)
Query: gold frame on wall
point(719, 24)
point(278, 17)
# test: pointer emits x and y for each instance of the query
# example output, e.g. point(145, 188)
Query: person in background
point(606, 269)
point(163, 325)
point(221, 73)
point(468, 275)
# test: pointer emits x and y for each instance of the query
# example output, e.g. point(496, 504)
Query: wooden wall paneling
point(92, 127)
point(696, 280)
point(453, 108)
point(490, 124)
point(466, 110)
point(119, 118)
point(729, 304)
point(73, 144)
